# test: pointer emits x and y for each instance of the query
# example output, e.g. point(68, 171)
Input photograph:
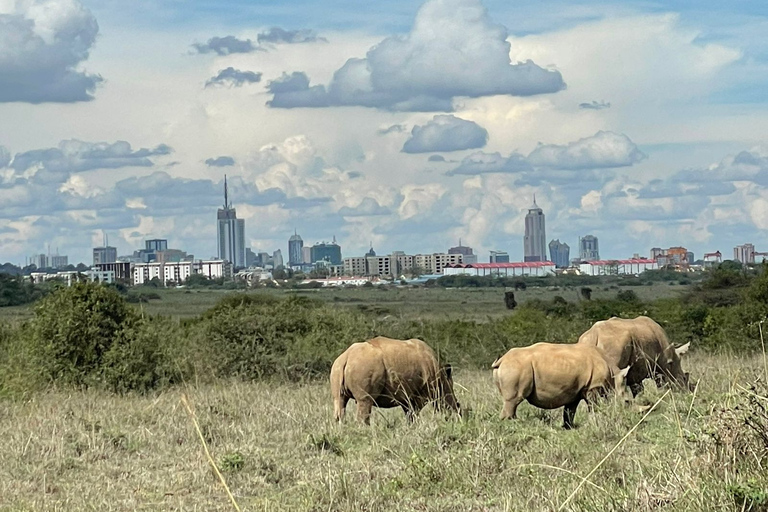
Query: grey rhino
point(551, 375)
point(641, 344)
point(385, 372)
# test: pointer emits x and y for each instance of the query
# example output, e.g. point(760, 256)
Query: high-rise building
point(588, 248)
point(250, 258)
point(156, 245)
point(468, 254)
point(295, 245)
point(105, 254)
point(39, 260)
point(559, 253)
point(277, 259)
point(744, 253)
point(231, 233)
point(330, 252)
point(58, 261)
point(306, 255)
point(499, 257)
point(535, 245)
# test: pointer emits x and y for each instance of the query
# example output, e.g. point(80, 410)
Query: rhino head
point(447, 399)
point(674, 373)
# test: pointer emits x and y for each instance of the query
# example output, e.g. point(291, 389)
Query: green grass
point(279, 450)
point(408, 303)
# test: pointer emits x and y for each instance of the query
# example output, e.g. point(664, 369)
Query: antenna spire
point(226, 196)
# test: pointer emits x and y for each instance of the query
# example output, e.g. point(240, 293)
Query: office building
point(559, 253)
point(295, 247)
point(156, 244)
point(306, 256)
point(231, 233)
point(744, 253)
point(58, 261)
point(499, 257)
point(277, 259)
point(468, 254)
point(535, 245)
point(330, 252)
point(588, 248)
point(105, 254)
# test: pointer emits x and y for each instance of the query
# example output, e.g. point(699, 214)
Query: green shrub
point(73, 328)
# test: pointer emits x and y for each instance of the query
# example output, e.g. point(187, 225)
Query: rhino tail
point(496, 363)
point(337, 375)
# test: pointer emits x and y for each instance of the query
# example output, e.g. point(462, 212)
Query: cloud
point(233, 78)
point(277, 35)
point(77, 156)
point(395, 128)
point(663, 188)
point(436, 158)
point(5, 157)
point(485, 163)
point(42, 44)
point(427, 68)
point(595, 105)
point(446, 133)
point(222, 161)
point(226, 45)
point(750, 166)
point(367, 207)
point(602, 150)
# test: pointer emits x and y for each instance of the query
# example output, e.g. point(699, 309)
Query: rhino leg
point(340, 406)
point(636, 388)
point(364, 407)
point(569, 411)
point(509, 409)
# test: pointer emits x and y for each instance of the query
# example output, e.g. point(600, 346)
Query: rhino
point(385, 372)
point(641, 344)
point(551, 375)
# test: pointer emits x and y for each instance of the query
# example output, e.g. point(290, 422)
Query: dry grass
point(278, 449)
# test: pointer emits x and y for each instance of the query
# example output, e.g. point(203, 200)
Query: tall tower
point(295, 245)
point(535, 246)
point(231, 232)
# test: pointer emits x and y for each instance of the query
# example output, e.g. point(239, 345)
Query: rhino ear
point(682, 349)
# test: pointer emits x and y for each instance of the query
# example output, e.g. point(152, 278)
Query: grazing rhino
point(551, 375)
point(641, 344)
point(385, 372)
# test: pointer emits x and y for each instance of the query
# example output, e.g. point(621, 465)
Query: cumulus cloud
point(453, 50)
point(221, 161)
point(226, 45)
point(594, 105)
point(751, 166)
point(77, 156)
point(42, 43)
point(367, 207)
point(486, 163)
point(436, 158)
point(664, 188)
point(395, 128)
point(446, 133)
point(233, 78)
point(277, 35)
point(602, 150)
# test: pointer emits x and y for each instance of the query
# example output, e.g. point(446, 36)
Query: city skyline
point(130, 128)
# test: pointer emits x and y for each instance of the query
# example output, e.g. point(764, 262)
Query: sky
point(402, 125)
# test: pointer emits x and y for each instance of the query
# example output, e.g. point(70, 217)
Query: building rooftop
point(521, 264)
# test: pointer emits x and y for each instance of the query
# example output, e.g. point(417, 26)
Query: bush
point(73, 328)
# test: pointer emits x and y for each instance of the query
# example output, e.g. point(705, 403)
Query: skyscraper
point(231, 233)
point(295, 245)
point(535, 245)
point(559, 253)
point(330, 252)
point(588, 248)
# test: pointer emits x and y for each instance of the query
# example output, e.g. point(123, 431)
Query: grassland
point(406, 302)
point(279, 449)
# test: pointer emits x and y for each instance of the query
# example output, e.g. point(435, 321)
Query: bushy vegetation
point(90, 336)
point(14, 291)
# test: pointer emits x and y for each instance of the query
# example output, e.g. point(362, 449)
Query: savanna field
point(94, 388)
